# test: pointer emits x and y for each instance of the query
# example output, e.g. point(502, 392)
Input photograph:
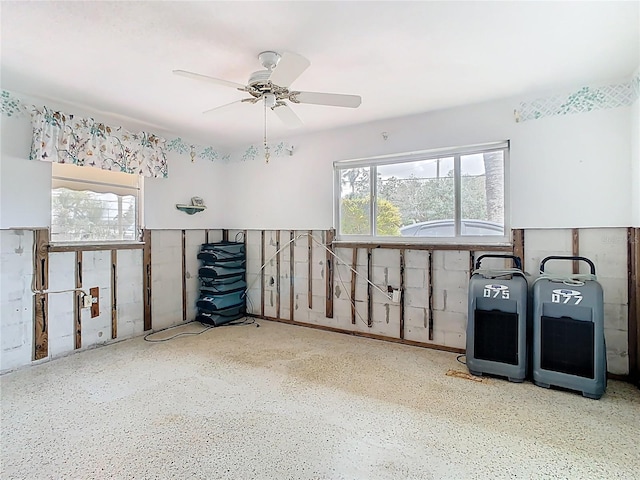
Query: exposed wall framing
point(310, 268)
point(633, 261)
point(575, 248)
point(369, 287)
point(291, 274)
point(40, 300)
point(329, 237)
point(146, 278)
point(184, 275)
point(77, 307)
point(518, 245)
point(278, 273)
point(114, 294)
point(354, 269)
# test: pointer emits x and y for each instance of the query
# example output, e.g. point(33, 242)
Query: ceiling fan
point(272, 85)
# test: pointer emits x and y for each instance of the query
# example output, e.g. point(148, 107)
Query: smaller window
point(92, 205)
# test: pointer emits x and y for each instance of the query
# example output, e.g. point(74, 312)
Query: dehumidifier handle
point(559, 257)
point(516, 260)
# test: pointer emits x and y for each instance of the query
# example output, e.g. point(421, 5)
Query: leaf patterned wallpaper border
point(585, 99)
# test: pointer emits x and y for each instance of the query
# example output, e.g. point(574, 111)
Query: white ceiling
point(401, 57)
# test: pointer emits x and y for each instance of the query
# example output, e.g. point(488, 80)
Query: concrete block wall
point(16, 301)
point(166, 278)
point(607, 248)
point(451, 270)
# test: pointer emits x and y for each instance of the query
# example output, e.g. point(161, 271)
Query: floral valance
point(65, 138)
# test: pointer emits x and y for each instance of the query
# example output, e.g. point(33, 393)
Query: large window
point(93, 205)
point(443, 195)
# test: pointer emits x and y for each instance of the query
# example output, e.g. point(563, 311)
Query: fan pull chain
point(266, 146)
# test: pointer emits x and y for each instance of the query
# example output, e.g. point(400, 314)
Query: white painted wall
point(566, 171)
point(25, 186)
point(25, 198)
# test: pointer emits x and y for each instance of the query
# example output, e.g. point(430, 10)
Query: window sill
point(421, 244)
point(94, 246)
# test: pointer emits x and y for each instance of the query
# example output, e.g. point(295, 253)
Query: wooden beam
point(329, 273)
point(96, 247)
point(373, 336)
point(40, 300)
point(419, 246)
point(114, 294)
point(146, 279)
point(517, 237)
point(369, 288)
point(430, 291)
point(78, 302)
point(354, 267)
point(575, 248)
point(278, 274)
point(633, 267)
point(184, 275)
point(41, 259)
point(225, 235)
point(402, 252)
point(472, 259)
point(41, 326)
point(291, 273)
point(310, 268)
point(262, 260)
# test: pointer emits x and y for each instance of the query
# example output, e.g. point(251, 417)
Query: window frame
point(91, 179)
point(409, 157)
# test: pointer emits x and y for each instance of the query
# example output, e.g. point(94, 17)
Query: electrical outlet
point(395, 296)
point(86, 300)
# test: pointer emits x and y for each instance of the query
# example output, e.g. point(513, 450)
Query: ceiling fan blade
point(288, 116)
point(222, 106)
point(289, 68)
point(332, 99)
point(197, 76)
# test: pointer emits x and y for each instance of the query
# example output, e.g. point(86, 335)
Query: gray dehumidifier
point(497, 321)
point(568, 331)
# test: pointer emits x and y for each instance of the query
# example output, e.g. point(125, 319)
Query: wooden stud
point(402, 252)
point(225, 235)
point(291, 274)
point(41, 259)
point(40, 300)
point(41, 326)
point(369, 288)
point(78, 303)
point(310, 268)
point(184, 275)
point(114, 294)
point(206, 234)
point(430, 291)
point(575, 248)
point(277, 274)
point(330, 234)
point(633, 267)
point(472, 258)
point(146, 279)
point(262, 259)
point(517, 237)
point(354, 269)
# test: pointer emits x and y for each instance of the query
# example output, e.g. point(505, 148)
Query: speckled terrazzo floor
point(287, 402)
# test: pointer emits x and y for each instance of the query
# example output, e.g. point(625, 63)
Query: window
point(445, 195)
point(92, 205)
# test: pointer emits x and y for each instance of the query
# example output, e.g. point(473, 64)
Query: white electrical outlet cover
point(396, 295)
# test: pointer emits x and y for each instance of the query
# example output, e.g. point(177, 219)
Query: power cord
point(459, 357)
